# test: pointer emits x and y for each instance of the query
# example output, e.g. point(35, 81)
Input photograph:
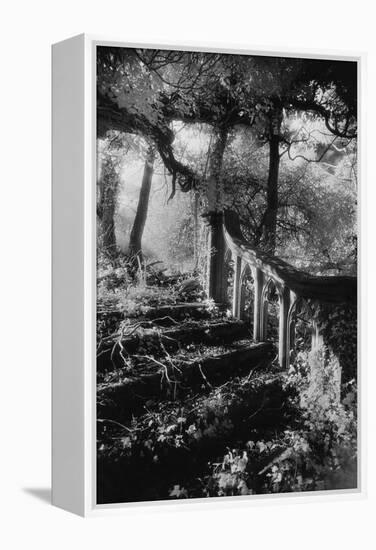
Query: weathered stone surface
point(170, 339)
point(327, 289)
point(123, 399)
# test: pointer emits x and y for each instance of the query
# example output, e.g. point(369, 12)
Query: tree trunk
point(195, 230)
point(135, 241)
point(216, 284)
point(270, 223)
point(107, 205)
point(215, 185)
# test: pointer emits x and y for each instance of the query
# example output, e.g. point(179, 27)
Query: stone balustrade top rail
point(332, 289)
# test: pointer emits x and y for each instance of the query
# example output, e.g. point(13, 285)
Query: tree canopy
point(274, 126)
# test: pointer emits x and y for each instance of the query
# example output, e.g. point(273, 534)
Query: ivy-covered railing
point(292, 286)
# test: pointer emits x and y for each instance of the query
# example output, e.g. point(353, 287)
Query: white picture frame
point(74, 281)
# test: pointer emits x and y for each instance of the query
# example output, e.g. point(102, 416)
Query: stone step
point(167, 314)
point(175, 443)
point(195, 371)
point(162, 316)
point(158, 340)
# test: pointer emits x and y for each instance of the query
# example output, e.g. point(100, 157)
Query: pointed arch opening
point(271, 312)
point(247, 296)
point(291, 329)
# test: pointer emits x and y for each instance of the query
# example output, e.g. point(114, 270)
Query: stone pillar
point(237, 290)
point(284, 305)
point(317, 339)
point(258, 317)
point(216, 283)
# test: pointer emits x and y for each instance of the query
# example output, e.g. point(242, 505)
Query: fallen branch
point(283, 456)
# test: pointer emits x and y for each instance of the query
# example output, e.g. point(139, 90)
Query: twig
point(165, 371)
point(114, 422)
point(203, 375)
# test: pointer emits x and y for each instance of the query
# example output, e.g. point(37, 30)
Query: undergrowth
point(316, 452)
point(267, 432)
point(121, 296)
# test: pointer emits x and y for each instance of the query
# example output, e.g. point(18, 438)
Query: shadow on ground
point(41, 493)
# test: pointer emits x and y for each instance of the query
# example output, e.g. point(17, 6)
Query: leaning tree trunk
point(270, 220)
point(108, 187)
point(196, 229)
point(216, 284)
point(135, 241)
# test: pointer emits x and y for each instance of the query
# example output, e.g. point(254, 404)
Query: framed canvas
point(205, 267)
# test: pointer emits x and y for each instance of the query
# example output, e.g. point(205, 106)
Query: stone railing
point(291, 285)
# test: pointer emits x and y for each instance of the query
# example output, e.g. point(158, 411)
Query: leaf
point(178, 492)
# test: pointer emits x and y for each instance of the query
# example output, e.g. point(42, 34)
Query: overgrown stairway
point(165, 398)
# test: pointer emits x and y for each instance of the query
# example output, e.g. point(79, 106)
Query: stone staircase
point(174, 358)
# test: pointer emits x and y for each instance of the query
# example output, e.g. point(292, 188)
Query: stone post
point(258, 277)
point(216, 273)
point(317, 339)
point(237, 290)
point(284, 305)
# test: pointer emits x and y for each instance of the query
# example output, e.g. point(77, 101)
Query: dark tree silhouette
point(135, 242)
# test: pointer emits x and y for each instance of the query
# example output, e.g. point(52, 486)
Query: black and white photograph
point(188, 263)
point(226, 274)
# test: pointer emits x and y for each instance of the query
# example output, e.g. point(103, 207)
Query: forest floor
point(189, 406)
